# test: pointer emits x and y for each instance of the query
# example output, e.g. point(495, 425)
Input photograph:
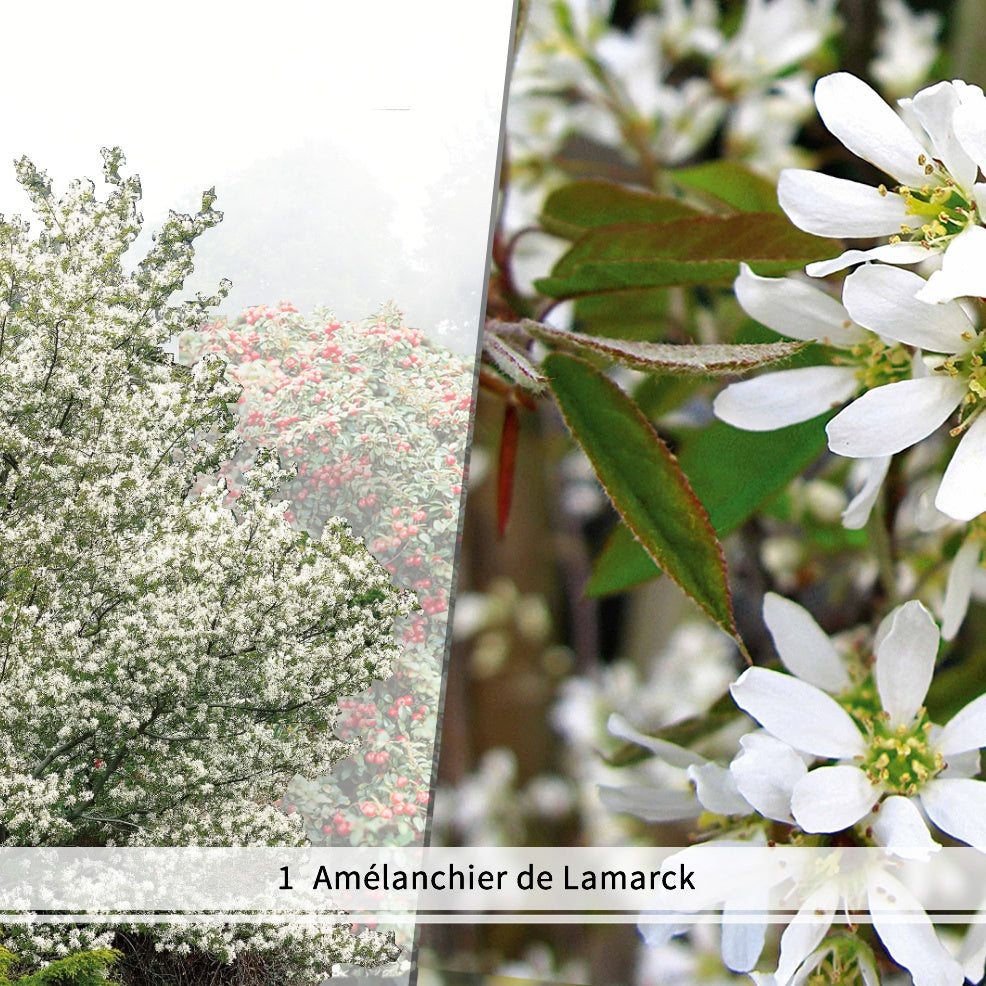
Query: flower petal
point(830, 799)
point(776, 400)
point(914, 944)
point(893, 417)
point(958, 589)
point(858, 510)
point(800, 714)
point(889, 253)
point(962, 494)
point(795, 309)
point(860, 118)
point(743, 943)
point(905, 662)
point(935, 107)
point(828, 206)
point(807, 929)
point(716, 790)
point(966, 730)
point(766, 771)
point(963, 269)
point(803, 645)
point(881, 298)
point(651, 804)
point(969, 124)
point(898, 825)
point(958, 807)
point(670, 753)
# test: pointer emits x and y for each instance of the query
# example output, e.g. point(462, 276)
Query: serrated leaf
point(733, 473)
point(644, 481)
point(513, 364)
point(699, 250)
point(582, 205)
point(657, 357)
point(730, 184)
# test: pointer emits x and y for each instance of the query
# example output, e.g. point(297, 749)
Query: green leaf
point(643, 480)
point(686, 251)
point(625, 314)
point(730, 184)
point(581, 205)
point(656, 357)
point(733, 473)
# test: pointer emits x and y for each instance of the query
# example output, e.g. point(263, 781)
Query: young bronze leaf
point(700, 250)
point(581, 205)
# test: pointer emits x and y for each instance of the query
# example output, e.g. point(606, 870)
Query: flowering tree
point(374, 417)
point(171, 662)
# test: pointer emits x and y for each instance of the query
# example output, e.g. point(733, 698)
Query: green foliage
point(730, 185)
point(644, 482)
point(719, 462)
point(702, 250)
point(86, 968)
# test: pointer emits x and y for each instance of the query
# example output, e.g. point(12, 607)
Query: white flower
point(935, 197)
point(893, 764)
point(890, 418)
point(907, 45)
point(860, 883)
point(773, 36)
point(963, 575)
point(786, 397)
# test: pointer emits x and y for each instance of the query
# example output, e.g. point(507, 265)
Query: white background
point(352, 145)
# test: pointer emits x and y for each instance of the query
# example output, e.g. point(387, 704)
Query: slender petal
point(905, 662)
point(935, 107)
point(858, 510)
point(828, 206)
point(888, 253)
point(806, 930)
point(803, 645)
point(860, 118)
point(962, 494)
point(893, 417)
point(969, 124)
point(651, 804)
point(966, 730)
point(776, 400)
point(972, 952)
point(958, 807)
point(766, 771)
point(795, 309)
point(743, 943)
point(800, 714)
point(830, 799)
point(914, 944)
point(958, 589)
point(899, 826)
point(671, 753)
point(715, 788)
point(881, 298)
point(963, 269)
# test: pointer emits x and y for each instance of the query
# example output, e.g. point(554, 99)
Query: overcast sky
point(352, 145)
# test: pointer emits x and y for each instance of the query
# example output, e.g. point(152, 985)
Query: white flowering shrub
point(169, 662)
point(374, 417)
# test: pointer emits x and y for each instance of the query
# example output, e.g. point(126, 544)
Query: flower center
point(899, 757)
point(970, 366)
point(945, 206)
point(878, 363)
